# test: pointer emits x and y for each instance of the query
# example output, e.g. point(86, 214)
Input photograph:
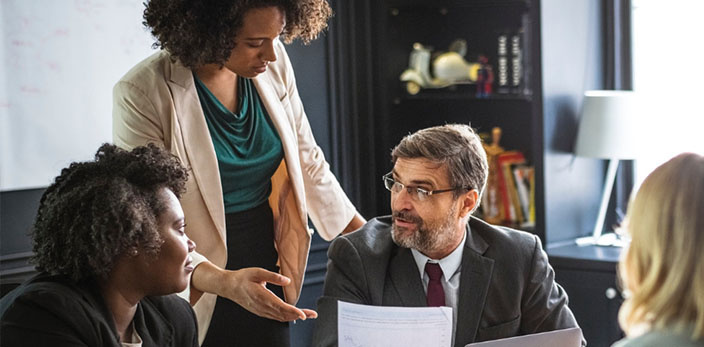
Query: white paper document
point(371, 326)
point(559, 338)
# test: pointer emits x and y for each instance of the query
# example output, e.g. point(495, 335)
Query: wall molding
point(15, 267)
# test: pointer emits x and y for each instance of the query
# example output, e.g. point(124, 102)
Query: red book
point(505, 159)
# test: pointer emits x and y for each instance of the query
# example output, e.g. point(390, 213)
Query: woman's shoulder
point(154, 64)
point(154, 72)
point(151, 79)
point(45, 307)
point(660, 338)
point(45, 291)
point(171, 306)
point(177, 312)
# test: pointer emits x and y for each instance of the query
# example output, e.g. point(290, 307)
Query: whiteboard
point(59, 60)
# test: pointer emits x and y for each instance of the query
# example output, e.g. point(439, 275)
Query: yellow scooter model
point(449, 68)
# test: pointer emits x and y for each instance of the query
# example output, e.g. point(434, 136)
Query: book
point(531, 208)
point(517, 216)
point(516, 77)
point(523, 175)
point(502, 80)
point(507, 186)
point(510, 77)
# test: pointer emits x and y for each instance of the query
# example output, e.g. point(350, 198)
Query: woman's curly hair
point(96, 211)
point(199, 32)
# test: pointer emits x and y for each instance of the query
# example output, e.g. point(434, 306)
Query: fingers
point(288, 312)
point(277, 309)
point(259, 274)
point(310, 314)
point(291, 313)
point(251, 293)
point(268, 305)
point(261, 301)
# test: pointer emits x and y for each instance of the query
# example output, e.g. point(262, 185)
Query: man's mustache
point(406, 216)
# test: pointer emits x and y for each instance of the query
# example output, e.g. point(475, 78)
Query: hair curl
point(98, 210)
point(199, 32)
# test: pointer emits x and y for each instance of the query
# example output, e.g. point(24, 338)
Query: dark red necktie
point(436, 295)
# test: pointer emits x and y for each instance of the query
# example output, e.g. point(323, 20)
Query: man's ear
point(468, 201)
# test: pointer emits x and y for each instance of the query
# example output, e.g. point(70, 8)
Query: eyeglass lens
point(396, 187)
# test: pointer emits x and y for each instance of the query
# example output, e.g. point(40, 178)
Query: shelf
point(461, 95)
point(415, 5)
point(399, 24)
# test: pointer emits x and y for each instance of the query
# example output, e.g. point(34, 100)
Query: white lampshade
point(612, 127)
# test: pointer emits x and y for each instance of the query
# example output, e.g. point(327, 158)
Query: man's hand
point(247, 287)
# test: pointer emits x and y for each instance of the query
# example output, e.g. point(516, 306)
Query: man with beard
point(432, 252)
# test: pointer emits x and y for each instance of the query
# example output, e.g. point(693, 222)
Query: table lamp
point(610, 128)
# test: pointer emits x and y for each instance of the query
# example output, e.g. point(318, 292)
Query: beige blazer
point(156, 101)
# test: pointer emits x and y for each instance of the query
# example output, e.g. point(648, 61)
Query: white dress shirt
point(451, 268)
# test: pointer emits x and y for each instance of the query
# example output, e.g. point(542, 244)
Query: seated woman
point(663, 268)
point(109, 242)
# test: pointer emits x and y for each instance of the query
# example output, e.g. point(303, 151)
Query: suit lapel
point(406, 279)
point(197, 142)
point(474, 285)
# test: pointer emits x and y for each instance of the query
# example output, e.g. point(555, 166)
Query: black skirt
point(250, 243)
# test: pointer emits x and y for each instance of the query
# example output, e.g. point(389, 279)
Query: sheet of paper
point(559, 338)
point(370, 326)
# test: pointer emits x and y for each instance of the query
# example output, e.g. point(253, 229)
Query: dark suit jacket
point(506, 286)
point(54, 311)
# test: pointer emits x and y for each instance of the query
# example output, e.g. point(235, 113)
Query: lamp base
point(608, 240)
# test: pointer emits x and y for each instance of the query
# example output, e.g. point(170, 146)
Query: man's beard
point(428, 237)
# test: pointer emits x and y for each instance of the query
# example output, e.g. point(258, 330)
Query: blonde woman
point(663, 269)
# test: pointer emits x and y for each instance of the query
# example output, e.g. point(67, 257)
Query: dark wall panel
point(310, 66)
point(572, 63)
point(18, 209)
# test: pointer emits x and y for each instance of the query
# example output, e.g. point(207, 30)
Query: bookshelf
point(397, 25)
point(564, 54)
point(364, 110)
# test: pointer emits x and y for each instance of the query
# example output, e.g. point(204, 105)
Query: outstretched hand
point(247, 287)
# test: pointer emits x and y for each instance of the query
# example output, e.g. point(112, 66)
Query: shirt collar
point(449, 265)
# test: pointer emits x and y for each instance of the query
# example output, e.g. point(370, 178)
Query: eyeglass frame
point(426, 194)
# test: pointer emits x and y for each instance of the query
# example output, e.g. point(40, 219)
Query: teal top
point(247, 146)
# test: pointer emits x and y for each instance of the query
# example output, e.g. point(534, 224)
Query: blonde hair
point(663, 268)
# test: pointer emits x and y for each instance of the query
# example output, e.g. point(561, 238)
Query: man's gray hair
point(457, 146)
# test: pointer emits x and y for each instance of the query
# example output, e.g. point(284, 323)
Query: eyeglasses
point(417, 194)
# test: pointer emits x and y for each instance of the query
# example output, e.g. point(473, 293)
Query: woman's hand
point(247, 287)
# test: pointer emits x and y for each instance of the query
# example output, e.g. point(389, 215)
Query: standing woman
point(221, 95)
point(663, 270)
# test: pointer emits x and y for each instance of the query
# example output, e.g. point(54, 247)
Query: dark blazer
point(54, 311)
point(507, 287)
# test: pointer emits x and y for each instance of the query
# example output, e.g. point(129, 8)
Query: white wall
point(58, 62)
point(668, 49)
